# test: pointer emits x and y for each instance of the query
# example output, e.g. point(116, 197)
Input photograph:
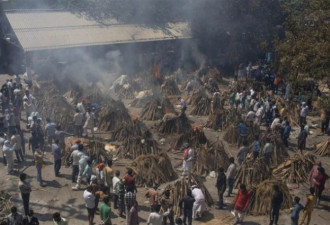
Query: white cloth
point(81, 108)
point(304, 111)
point(197, 194)
point(156, 218)
point(89, 199)
point(275, 123)
point(90, 119)
point(8, 153)
point(115, 181)
point(250, 116)
point(256, 107)
point(231, 171)
point(199, 204)
point(268, 148)
point(239, 215)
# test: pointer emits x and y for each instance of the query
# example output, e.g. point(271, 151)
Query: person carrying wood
point(242, 202)
point(277, 200)
point(221, 186)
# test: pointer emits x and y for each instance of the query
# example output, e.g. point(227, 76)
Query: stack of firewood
point(153, 169)
point(169, 87)
point(323, 148)
point(195, 137)
point(156, 108)
point(210, 158)
point(133, 147)
point(113, 116)
point(261, 197)
point(295, 169)
point(124, 91)
point(173, 124)
point(5, 205)
point(126, 130)
point(179, 189)
point(252, 172)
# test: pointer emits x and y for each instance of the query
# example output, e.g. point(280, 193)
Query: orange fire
point(135, 116)
point(195, 127)
point(157, 71)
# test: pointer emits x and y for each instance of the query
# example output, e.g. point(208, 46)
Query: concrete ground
point(57, 196)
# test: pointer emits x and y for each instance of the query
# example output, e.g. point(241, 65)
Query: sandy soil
point(58, 196)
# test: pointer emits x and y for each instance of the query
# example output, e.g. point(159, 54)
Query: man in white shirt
point(78, 120)
point(89, 123)
point(199, 204)
point(259, 115)
point(156, 218)
point(250, 117)
point(275, 123)
point(115, 182)
point(303, 113)
point(82, 165)
point(75, 156)
point(90, 204)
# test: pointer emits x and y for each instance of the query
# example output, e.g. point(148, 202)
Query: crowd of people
point(103, 186)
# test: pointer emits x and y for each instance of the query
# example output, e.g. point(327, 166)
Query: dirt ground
point(58, 196)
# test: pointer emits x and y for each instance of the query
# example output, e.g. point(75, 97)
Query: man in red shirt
point(241, 203)
point(129, 180)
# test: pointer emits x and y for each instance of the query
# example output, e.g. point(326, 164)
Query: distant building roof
point(40, 30)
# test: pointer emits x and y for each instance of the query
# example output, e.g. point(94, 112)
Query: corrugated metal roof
point(53, 29)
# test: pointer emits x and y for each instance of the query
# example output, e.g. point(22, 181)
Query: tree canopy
point(305, 50)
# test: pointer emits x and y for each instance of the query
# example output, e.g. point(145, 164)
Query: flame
point(195, 127)
point(135, 116)
point(110, 147)
point(157, 71)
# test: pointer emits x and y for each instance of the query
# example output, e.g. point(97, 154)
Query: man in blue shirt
point(286, 133)
point(242, 134)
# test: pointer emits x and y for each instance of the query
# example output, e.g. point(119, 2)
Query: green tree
point(305, 50)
